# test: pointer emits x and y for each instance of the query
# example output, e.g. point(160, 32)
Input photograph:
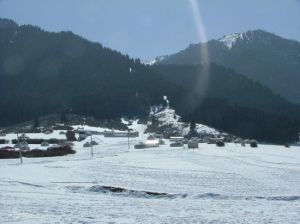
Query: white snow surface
point(233, 184)
point(230, 40)
point(93, 128)
point(155, 60)
point(168, 116)
point(150, 62)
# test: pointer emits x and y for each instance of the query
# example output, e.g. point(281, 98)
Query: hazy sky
point(149, 28)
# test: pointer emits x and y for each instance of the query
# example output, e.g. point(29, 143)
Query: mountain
point(224, 83)
point(259, 55)
point(231, 102)
point(44, 73)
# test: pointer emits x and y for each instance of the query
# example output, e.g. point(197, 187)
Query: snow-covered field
point(210, 185)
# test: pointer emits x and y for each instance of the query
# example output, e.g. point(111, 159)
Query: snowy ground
point(210, 185)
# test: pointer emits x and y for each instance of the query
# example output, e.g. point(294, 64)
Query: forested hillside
point(232, 102)
point(43, 73)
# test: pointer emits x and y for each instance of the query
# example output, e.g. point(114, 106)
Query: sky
point(149, 28)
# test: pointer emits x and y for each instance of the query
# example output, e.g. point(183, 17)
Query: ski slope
point(233, 184)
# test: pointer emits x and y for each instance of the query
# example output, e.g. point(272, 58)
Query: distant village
point(58, 140)
point(53, 136)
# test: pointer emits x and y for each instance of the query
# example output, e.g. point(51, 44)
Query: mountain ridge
point(259, 55)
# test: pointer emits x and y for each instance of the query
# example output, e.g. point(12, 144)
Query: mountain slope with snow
point(169, 119)
point(259, 55)
point(230, 40)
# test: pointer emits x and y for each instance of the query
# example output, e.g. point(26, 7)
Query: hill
point(231, 102)
point(45, 72)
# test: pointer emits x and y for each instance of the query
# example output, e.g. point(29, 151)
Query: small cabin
point(160, 136)
point(253, 144)
point(176, 138)
point(176, 144)
point(152, 143)
point(220, 143)
point(7, 148)
point(45, 144)
point(161, 142)
point(87, 144)
point(192, 144)
point(147, 144)
point(121, 134)
point(70, 136)
point(48, 131)
point(215, 140)
point(4, 141)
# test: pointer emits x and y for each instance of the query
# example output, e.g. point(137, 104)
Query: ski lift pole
point(128, 139)
point(20, 153)
point(21, 157)
point(92, 153)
